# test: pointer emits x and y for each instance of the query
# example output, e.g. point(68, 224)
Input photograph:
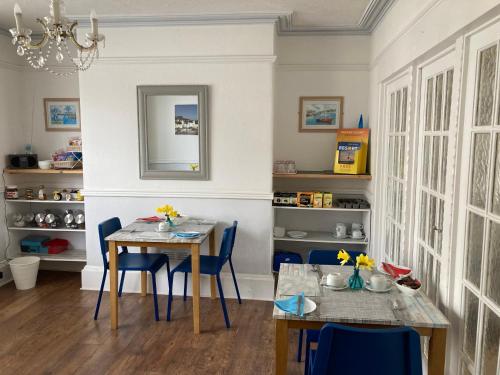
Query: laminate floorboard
point(50, 330)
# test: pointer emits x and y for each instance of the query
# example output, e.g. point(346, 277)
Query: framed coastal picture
point(186, 119)
point(62, 114)
point(321, 113)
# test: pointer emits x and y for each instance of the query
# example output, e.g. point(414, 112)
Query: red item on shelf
point(394, 271)
point(151, 219)
point(56, 245)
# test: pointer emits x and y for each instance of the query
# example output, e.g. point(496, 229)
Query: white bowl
point(44, 164)
point(407, 290)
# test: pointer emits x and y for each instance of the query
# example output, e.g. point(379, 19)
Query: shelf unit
point(323, 237)
point(48, 178)
point(322, 175)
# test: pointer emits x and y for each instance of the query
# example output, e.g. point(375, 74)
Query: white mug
point(356, 226)
point(356, 233)
point(279, 232)
point(162, 226)
point(341, 230)
point(379, 282)
point(335, 279)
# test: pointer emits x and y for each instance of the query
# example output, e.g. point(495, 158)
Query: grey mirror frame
point(199, 90)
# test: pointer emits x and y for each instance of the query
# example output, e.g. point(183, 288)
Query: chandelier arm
point(78, 45)
point(41, 43)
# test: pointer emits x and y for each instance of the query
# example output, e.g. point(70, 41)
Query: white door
point(479, 224)
point(395, 160)
point(435, 173)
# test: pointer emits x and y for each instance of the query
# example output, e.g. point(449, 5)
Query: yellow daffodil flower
point(343, 256)
point(167, 210)
point(364, 262)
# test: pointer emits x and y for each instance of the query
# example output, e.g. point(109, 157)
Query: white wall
point(318, 66)
point(236, 62)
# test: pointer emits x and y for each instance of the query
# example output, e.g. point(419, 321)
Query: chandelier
point(57, 30)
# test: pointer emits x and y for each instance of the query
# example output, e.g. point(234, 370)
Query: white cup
point(279, 232)
point(356, 233)
point(341, 230)
point(356, 226)
point(162, 226)
point(379, 282)
point(335, 279)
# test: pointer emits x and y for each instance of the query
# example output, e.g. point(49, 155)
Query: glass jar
point(11, 192)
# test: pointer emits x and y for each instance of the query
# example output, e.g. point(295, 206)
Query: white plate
point(341, 237)
point(309, 306)
point(368, 287)
point(381, 269)
point(336, 288)
point(296, 234)
point(407, 290)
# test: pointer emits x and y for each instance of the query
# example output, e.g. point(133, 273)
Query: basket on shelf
point(67, 164)
point(74, 149)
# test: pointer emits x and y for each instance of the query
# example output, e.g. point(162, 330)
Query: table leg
point(437, 352)
point(144, 276)
point(195, 268)
point(281, 347)
point(113, 283)
point(211, 251)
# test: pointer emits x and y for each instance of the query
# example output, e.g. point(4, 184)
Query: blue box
point(34, 244)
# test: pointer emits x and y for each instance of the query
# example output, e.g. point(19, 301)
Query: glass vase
point(356, 282)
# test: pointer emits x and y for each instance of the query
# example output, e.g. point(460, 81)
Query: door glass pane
point(423, 214)
point(439, 226)
point(493, 264)
point(435, 163)
point(470, 321)
point(486, 84)
point(400, 203)
point(447, 105)
point(398, 112)
point(491, 335)
point(391, 153)
point(432, 221)
point(391, 115)
point(403, 109)
point(474, 249)
point(429, 287)
point(421, 259)
point(428, 105)
point(496, 184)
point(465, 369)
point(437, 280)
point(395, 159)
point(426, 163)
point(438, 103)
point(480, 157)
point(444, 160)
point(402, 147)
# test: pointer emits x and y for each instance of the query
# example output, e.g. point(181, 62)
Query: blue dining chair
point(324, 257)
point(211, 265)
point(128, 262)
point(388, 351)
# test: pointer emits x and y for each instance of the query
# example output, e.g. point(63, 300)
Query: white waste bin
point(24, 270)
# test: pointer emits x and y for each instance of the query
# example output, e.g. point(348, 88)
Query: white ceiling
point(295, 15)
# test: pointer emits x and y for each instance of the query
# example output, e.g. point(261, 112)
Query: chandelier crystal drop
point(57, 30)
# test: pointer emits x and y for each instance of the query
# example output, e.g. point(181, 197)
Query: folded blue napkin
point(290, 304)
point(188, 234)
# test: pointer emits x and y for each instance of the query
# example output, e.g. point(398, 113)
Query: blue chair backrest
point(227, 244)
point(352, 351)
point(329, 257)
point(105, 229)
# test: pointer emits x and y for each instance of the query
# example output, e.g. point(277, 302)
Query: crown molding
point(322, 67)
point(183, 194)
point(373, 14)
point(216, 59)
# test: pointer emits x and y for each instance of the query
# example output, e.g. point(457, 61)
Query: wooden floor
point(50, 330)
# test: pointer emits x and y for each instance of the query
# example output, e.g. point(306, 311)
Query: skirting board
point(254, 287)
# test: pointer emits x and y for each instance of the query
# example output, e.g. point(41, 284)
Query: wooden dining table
point(358, 308)
point(145, 236)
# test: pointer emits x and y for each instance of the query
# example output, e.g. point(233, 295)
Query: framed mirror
point(173, 132)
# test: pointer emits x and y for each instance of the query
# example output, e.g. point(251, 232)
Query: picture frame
point(321, 113)
point(62, 114)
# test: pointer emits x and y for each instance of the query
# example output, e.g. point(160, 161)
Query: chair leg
point(306, 362)
point(299, 349)
point(170, 278)
point(121, 284)
point(155, 296)
point(185, 285)
point(223, 302)
point(234, 279)
point(100, 294)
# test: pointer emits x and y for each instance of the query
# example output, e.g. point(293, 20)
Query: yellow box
point(327, 200)
point(318, 200)
point(351, 151)
point(305, 199)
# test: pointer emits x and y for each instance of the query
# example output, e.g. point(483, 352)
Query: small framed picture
point(62, 114)
point(321, 113)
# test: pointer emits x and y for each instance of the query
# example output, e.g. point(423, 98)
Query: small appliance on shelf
point(284, 167)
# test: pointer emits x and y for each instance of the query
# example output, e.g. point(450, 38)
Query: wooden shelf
point(323, 209)
point(66, 256)
point(323, 175)
point(43, 171)
point(322, 237)
point(45, 201)
point(47, 229)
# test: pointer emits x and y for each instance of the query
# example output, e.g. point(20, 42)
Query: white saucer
point(340, 238)
point(296, 234)
point(331, 287)
point(368, 287)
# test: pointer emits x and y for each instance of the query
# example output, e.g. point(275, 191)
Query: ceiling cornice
point(371, 17)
